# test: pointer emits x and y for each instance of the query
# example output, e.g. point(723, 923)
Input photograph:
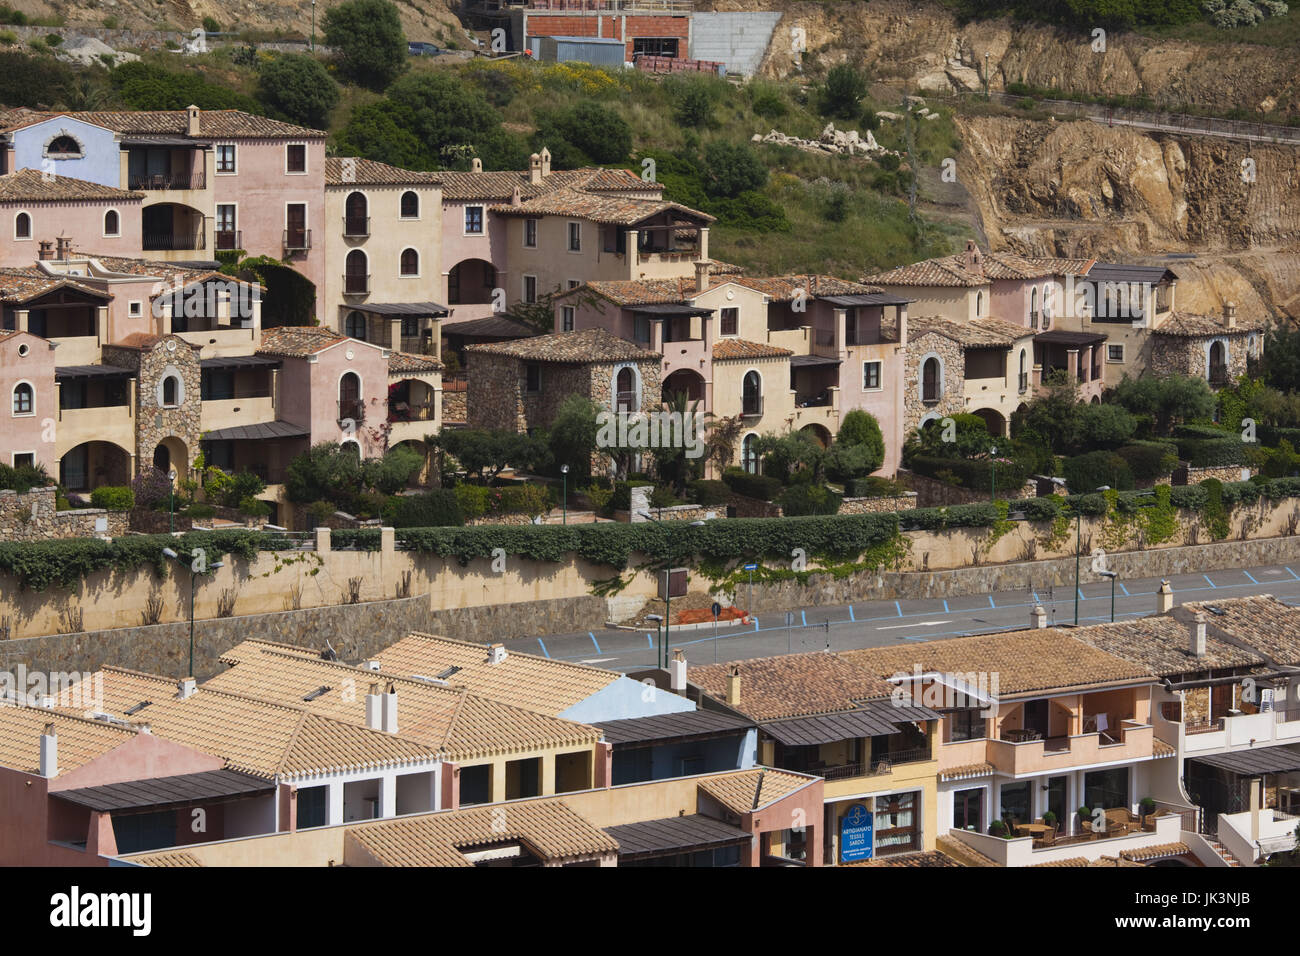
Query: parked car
point(422, 49)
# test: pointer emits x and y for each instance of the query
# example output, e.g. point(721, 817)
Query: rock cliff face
point(925, 45)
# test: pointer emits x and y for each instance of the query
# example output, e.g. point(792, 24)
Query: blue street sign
point(857, 828)
point(716, 609)
point(751, 567)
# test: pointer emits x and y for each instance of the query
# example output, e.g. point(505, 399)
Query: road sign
point(751, 567)
point(716, 609)
point(856, 831)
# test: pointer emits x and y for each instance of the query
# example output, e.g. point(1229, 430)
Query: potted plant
point(1049, 819)
point(998, 828)
point(1084, 816)
point(1146, 807)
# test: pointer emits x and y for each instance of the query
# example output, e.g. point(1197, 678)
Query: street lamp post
point(564, 473)
point(1113, 578)
point(313, 30)
point(1078, 539)
point(171, 508)
point(993, 473)
point(668, 596)
point(169, 553)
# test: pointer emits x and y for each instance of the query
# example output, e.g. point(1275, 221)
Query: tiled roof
point(1163, 646)
point(587, 345)
point(794, 685)
point(1262, 623)
point(966, 771)
point(596, 207)
point(951, 271)
point(1025, 661)
point(23, 285)
point(750, 790)
point(31, 185)
point(448, 719)
point(1156, 852)
point(298, 341)
point(786, 288)
point(407, 362)
point(725, 349)
point(1186, 325)
point(213, 124)
point(1160, 748)
point(80, 740)
point(643, 291)
point(370, 172)
point(501, 184)
point(986, 332)
point(1006, 265)
point(926, 858)
point(169, 858)
point(549, 829)
point(719, 268)
point(535, 683)
point(1083, 861)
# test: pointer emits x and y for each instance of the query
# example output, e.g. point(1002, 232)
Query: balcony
point(228, 239)
point(106, 423)
point(164, 241)
point(297, 240)
point(877, 767)
point(1280, 726)
point(163, 181)
point(751, 406)
point(356, 227)
point(356, 285)
point(419, 412)
point(229, 412)
point(1026, 756)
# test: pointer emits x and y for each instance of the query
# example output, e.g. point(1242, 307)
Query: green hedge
point(1149, 460)
point(112, 498)
point(762, 487)
point(1213, 452)
point(1097, 468)
point(706, 491)
point(873, 487)
point(809, 500)
point(976, 473)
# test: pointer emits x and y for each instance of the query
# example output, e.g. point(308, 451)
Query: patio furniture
point(1119, 820)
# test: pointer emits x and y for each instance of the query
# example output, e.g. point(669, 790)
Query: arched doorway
point(683, 381)
point(92, 464)
point(471, 282)
point(993, 420)
point(171, 453)
point(625, 391)
point(751, 396)
point(1218, 371)
point(820, 433)
point(931, 380)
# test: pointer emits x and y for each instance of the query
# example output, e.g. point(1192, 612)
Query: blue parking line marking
point(593, 640)
point(899, 607)
point(755, 624)
point(1251, 576)
point(945, 607)
point(1293, 574)
point(991, 604)
point(1209, 582)
point(803, 616)
point(650, 641)
point(1081, 597)
point(1122, 588)
point(1038, 600)
point(851, 617)
point(548, 653)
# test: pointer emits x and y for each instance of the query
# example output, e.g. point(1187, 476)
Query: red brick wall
point(586, 26)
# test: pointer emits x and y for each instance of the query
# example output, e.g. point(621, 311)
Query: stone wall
point(1225, 473)
point(1186, 355)
point(454, 391)
point(687, 512)
point(932, 493)
point(752, 507)
point(494, 393)
point(870, 506)
point(156, 423)
point(525, 619)
point(34, 517)
point(952, 384)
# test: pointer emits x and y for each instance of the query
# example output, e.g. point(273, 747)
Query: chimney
point(47, 250)
point(546, 161)
point(49, 751)
point(496, 653)
point(973, 261)
point(516, 198)
point(1164, 598)
point(1197, 632)
point(534, 169)
point(1038, 617)
point(192, 120)
point(677, 672)
point(902, 324)
point(702, 276)
point(373, 719)
point(476, 165)
point(1230, 314)
point(370, 665)
point(64, 246)
point(733, 685)
point(389, 711)
point(185, 687)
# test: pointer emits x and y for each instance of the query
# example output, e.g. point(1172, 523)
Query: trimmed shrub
point(254, 508)
point(1213, 452)
point(1149, 460)
point(1097, 468)
point(472, 500)
point(809, 500)
point(431, 509)
point(113, 498)
point(663, 497)
point(708, 491)
point(200, 511)
point(1191, 497)
point(622, 500)
point(974, 473)
point(762, 487)
point(1039, 509)
point(874, 487)
point(1091, 505)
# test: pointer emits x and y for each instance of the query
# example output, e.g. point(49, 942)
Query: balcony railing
point(625, 402)
point(157, 241)
point(1287, 714)
point(356, 285)
point(401, 412)
point(356, 227)
point(876, 767)
point(352, 408)
point(297, 240)
point(751, 406)
point(1203, 726)
point(230, 239)
point(168, 181)
point(1033, 320)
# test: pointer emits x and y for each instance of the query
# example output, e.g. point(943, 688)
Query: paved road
point(880, 623)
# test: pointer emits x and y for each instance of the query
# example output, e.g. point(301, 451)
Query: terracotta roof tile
point(213, 124)
point(355, 171)
point(1083, 861)
point(987, 332)
point(80, 740)
point(406, 362)
point(596, 207)
point(171, 858)
point(925, 858)
point(951, 271)
point(1261, 623)
point(750, 790)
point(785, 288)
point(31, 185)
point(966, 771)
point(1186, 325)
point(1163, 646)
point(23, 285)
point(726, 349)
point(501, 184)
point(1156, 852)
point(794, 685)
point(587, 345)
point(298, 341)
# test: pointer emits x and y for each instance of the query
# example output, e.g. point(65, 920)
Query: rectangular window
point(966, 724)
point(1114, 353)
point(654, 46)
point(295, 158)
point(226, 158)
point(574, 283)
point(1107, 789)
point(567, 318)
point(22, 458)
point(730, 321)
point(641, 329)
point(311, 806)
point(473, 220)
point(225, 217)
point(135, 309)
point(575, 237)
point(530, 289)
point(532, 378)
point(530, 233)
point(217, 384)
point(870, 376)
point(410, 327)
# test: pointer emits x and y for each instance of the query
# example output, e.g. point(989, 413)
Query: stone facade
point(175, 427)
point(1189, 355)
point(952, 380)
point(1225, 473)
point(872, 506)
point(932, 493)
point(34, 517)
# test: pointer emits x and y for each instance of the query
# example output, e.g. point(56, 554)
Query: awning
point(167, 791)
point(1072, 339)
point(419, 309)
point(873, 720)
point(263, 430)
point(688, 725)
point(798, 361)
point(1115, 272)
point(239, 361)
point(90, 371)
point(671, 835)
point(1252, 763)
point(668, 309)
point(865, 298)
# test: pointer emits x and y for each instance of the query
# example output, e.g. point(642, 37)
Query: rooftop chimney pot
point(186, 686)
point(677, 672)
point(496, 653)
point(1198, 635)
point(534, 169)
point(476, 165)
point(49, 752)
point(733, 685)
point(1164, 598)
point(374, 719)
point(388, 711)
point(702, 277)
point(1230, 314)
point(192, 114)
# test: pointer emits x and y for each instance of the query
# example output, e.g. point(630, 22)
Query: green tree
point(572, 436)
point(969, 436)
point(732, 168)
point(391, 473)
point(861, 428)
point(1281, 362)
point(375, 131)
point(595, 133)
point(795, 456)
point(297, 87)
point(694, 105)
point(325, 472)
point(1167, 400)
point(368, 37)
point(485, 453)
point(842, 95)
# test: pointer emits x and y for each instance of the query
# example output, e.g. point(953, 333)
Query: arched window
point(752, 394)
point(356, 273)
point(625, 391)
point(22, 226)
point(171, 391)
point(63, 147)
point(1218, 363)
point(979, 304)
point(356, 213)
point(931, 380)
point(410, 205)
point(112, 223)
point(351, 445)
point(1033, 308)
point(350, 397)
point(748, 454)
point(24, 399)
point(1024, 370)
point(354, 326)
point(410, 262)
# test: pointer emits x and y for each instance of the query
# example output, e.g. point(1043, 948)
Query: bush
point(585, 134)
point(24, 478)
point(874, 487)
point(708, 492)
point(430, 509)
point(297, 87)
point(809, 500)
point(1190, 497)
point(472, 500)
point(254, 508)
point(200, 511)
point(732, 169)
point(1039, 509)
point(622, 500)
point(975, 473)
point(210, 24)
point(1213, 452)
point(842, 95)
point(1084, 473)
point(1149, 460)
point(151, 488)
point(112, 498)
point(762, 487)
point(694, 106)
point(367, 36)
point(663, 497)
